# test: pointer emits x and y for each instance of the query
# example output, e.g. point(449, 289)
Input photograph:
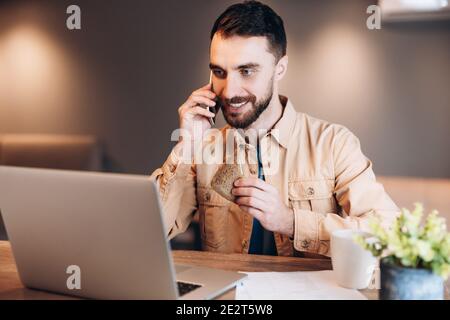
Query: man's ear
point(281, 68)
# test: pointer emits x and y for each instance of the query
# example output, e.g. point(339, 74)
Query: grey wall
point(123, 76)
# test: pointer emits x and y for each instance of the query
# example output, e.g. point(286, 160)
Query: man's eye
point(219, 73)
point(246, 72)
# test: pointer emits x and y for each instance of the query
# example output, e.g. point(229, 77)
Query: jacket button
point(252, 170)
point(310, 191)
point(207, 196)
point(244, 244)
point(305, 244)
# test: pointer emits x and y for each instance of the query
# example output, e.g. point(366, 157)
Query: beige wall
point(124, 74)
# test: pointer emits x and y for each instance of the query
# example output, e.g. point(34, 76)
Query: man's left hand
point(263, 202)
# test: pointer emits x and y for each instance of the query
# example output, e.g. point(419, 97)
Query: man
point(322, 181)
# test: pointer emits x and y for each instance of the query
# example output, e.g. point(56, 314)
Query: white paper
point(300, 285)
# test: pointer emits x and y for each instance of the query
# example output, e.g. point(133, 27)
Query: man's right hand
point(192, 112)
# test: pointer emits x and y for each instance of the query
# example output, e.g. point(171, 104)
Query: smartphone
point(215, 108)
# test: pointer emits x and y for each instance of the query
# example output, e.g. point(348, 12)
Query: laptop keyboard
point(184, 287)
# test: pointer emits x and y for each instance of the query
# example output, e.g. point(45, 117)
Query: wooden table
point(12, 288)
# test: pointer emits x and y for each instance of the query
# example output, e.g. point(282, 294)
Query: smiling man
point(321, 181)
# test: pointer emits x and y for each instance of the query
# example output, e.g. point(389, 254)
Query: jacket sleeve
point(176, 184)
point(356, 191)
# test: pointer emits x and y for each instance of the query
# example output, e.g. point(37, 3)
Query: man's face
point(243, 71)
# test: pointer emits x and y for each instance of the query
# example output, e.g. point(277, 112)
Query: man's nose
point(231, 89)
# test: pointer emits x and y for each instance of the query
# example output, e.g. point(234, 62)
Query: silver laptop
point(97, 235)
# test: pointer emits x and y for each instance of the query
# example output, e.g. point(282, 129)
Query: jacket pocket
point(213, 216)
point(314, 195)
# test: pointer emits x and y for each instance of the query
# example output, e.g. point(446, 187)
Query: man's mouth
point(236, 107)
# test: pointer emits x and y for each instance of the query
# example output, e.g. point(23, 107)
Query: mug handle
point(375, 281)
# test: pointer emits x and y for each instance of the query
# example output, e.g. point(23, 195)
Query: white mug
point(353, 266)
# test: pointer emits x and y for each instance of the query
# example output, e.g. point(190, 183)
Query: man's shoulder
point(320, 129)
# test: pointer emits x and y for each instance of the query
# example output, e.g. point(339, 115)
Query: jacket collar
point(285, 126)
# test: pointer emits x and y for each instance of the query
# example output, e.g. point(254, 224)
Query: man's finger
point(249, 192)
point(205, 93)
point(202, 111)
point(251, 202)
point(202, 100)
point(258, 214)
point(206, 86)
point(253, 182)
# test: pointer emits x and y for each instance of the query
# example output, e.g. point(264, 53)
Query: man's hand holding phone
point(195, 111)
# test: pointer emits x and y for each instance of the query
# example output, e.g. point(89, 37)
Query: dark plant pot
point(399, 283)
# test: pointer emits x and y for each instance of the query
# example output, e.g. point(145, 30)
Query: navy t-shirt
point(262, 241)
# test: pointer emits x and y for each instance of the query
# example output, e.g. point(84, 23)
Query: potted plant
point(415, 255)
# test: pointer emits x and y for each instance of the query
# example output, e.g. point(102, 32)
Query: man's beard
point(245, 120)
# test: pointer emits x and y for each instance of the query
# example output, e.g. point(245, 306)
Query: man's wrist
point(290, 224)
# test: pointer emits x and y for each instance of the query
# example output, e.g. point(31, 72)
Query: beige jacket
point(321, 173)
